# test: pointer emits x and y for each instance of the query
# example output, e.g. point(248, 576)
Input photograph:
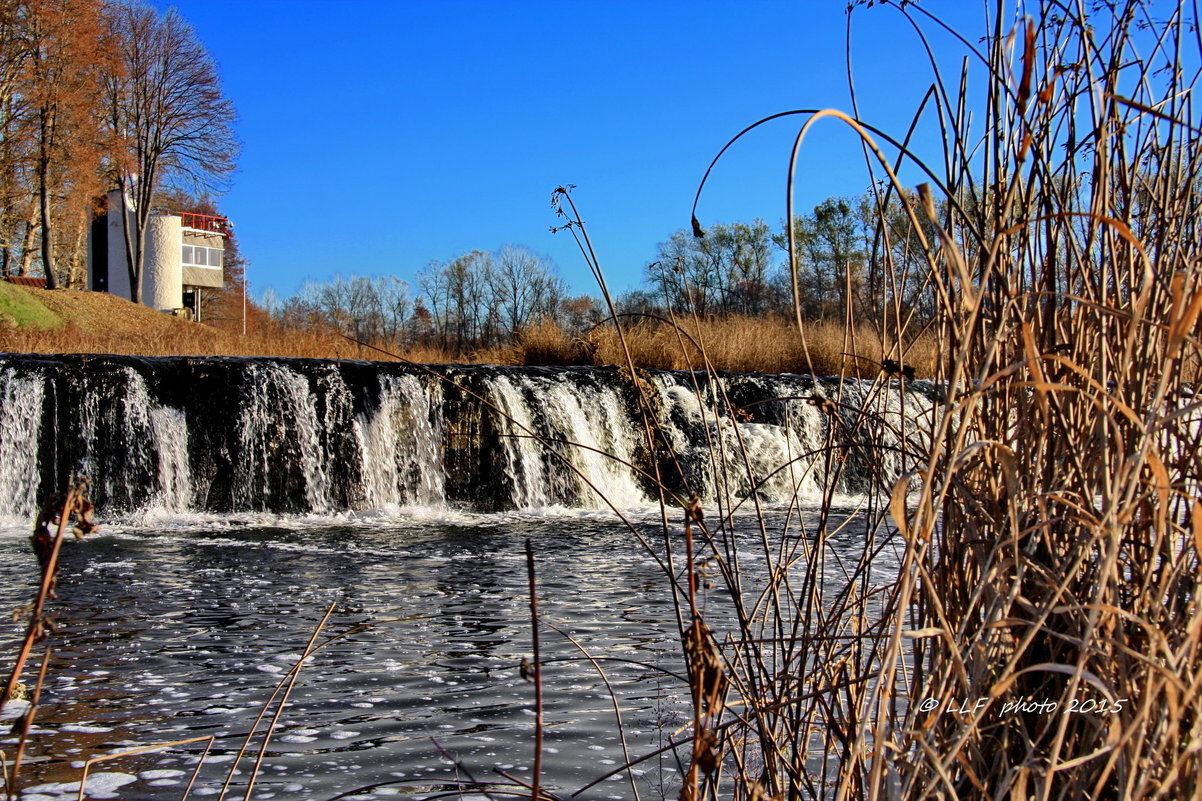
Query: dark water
point(182, 625)
point(179, 633)
point(174, 634)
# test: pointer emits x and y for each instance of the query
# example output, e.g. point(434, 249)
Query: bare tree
point(393, 294)
point(525, 287)
point(480, 299)
point(832, 255)
point(168, 114)
point(366, 309)
point(463, 312)
point(728, 270)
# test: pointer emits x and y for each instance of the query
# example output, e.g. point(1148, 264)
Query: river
point(241, 499)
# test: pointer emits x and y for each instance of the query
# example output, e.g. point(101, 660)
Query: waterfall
point(316, 436)
point(566, 442)
point(170, 428)
point(281, 459)
point(604, 438)
point(132, 448)
point(401, 445)
point(726, 453)
point(20, 427)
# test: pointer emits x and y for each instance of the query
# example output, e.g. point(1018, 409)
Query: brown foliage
point(97, 322)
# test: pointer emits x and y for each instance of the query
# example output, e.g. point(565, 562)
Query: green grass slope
point(23, 309)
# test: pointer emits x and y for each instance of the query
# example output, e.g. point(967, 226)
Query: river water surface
point(242, 498)
point(182, 631)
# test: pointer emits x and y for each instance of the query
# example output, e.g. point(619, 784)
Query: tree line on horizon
point(480, 299)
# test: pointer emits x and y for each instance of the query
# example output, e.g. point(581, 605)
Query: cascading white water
point(134, 450)
point(278, 428)
point(809, 433)
point(882, 433)
point(401, 446)
point(588, 426)
point(170, 428)
point(532, 486)
point(871, 432)
point(603, 437)
point(20, 429)
point(224, 435)
point(727, 457)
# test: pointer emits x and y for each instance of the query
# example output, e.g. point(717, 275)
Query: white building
point(184, 255)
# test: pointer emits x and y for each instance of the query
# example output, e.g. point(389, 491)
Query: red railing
point(204, 222)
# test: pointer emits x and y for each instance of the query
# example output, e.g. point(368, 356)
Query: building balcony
point(204, 223)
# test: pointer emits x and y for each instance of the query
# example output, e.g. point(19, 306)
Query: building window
point(199, 256)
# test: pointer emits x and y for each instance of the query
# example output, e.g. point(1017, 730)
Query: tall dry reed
point(1042, 636)
point(1052, 563)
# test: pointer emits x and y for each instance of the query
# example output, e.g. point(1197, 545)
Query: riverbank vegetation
point(96, 96)
point(1043, 635)
point(1043, 638)
point(43, 321)
point(722, 300)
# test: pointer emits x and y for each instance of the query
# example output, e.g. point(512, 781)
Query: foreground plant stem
point(538, 676)
point(49, 572)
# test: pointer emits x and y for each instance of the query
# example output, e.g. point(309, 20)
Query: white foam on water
point(13, 709)
point(99, 785)
point(84, 728)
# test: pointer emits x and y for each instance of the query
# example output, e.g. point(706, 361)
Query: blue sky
point(378, 136)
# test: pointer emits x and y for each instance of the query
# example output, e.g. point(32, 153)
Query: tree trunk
point(31, 230)
point(77, 272)
point(132, 254)
point(44, 207)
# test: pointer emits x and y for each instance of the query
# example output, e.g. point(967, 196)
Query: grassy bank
point(73, 321)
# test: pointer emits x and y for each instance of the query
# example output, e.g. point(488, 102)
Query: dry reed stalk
point(1052, 564)
point(536, 674)
point(149, 749)
point(25, 724)
point(60, 510)
point(791, 663)
point(1051, 530)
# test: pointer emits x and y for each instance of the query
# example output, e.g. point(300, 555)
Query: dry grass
point(96, 322)
point(93, 322)
point(770, 345)
point(745, 344)
point(1043, 638)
